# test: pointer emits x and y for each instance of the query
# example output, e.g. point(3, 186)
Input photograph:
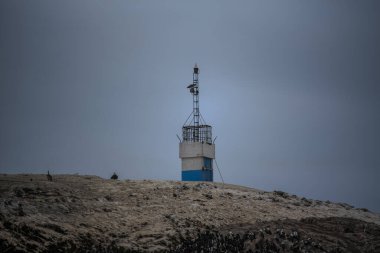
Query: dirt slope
point(89, 214)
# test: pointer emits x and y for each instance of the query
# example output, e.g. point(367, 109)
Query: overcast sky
point(291, 88)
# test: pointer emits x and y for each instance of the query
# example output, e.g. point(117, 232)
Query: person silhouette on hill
point(49, 177)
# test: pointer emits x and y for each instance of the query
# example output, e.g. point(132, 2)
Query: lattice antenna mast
point(195, 91)
point(196, 130)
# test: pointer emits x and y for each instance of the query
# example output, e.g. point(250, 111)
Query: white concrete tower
point(196, 148)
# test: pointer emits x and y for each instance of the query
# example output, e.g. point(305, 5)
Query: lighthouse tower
point(196, 148)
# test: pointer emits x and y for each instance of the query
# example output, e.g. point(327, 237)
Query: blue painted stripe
point(197, 175)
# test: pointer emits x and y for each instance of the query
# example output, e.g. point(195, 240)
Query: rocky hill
point(88, 214)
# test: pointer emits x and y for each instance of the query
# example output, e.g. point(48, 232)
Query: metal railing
point(201, 133)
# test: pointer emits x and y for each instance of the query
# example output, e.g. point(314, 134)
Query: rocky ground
point(88, 214)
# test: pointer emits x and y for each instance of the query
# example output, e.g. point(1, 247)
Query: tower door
point(207, 163)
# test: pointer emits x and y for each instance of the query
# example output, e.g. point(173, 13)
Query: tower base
point(197, 175)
